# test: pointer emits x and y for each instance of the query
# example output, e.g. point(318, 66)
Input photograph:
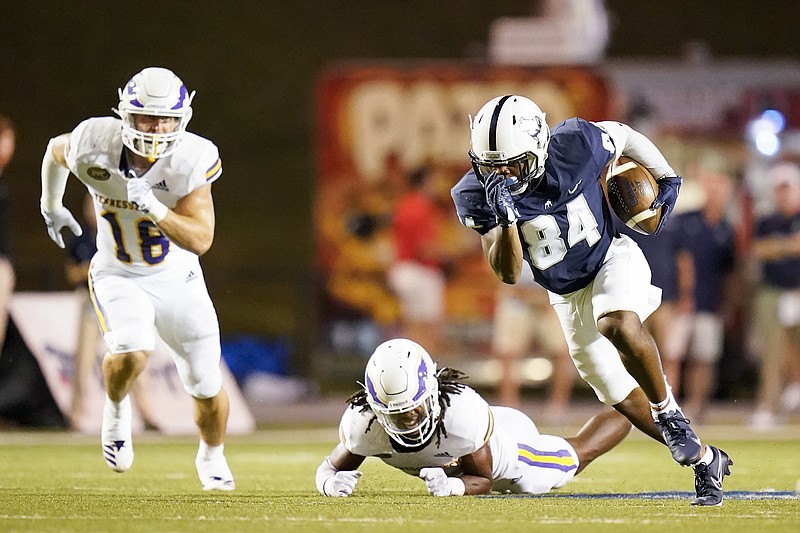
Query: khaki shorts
point(420, 290)
point(696, 336)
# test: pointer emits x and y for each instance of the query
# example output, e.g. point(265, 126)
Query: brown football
point(631, 190)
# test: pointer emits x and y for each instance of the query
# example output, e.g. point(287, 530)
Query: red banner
point(375, 124)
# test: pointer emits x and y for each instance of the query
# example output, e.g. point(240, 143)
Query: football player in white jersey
point(432, 425)
point(150, 181)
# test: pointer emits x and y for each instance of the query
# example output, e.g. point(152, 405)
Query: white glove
point(342, 483)
point(58, 219)
point(141, 192)
point(441, 485)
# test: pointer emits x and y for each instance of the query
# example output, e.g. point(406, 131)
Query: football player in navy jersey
point(537, 196)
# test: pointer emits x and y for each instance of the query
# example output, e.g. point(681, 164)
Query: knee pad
point(130, 339)
point(199, 368)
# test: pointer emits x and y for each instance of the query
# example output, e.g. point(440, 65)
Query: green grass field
point(59, 482)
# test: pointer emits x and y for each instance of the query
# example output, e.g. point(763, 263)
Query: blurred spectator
point(7, 279)
point(416, 274)
point(777, 316)
point(525, 321)
point(704, 241)
point(80, 250)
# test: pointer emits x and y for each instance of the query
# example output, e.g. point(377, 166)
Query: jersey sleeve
point(633, 144)
point(353, 432)
point(198, 158)
point(211, 164)
point(469, 198)
point(87, 134)
point(470, 418)
point(578, 153)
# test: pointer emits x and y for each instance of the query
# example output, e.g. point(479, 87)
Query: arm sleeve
point(633, 144)
point(54, 180)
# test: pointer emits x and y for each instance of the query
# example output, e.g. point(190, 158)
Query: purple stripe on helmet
point(563, 468)
point(132, 89)
point(422, 373)
point(181, 98)
point(371, 391)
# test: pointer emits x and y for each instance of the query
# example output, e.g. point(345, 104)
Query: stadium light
point(763, 132)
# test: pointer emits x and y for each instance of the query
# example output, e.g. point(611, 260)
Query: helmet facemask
point(510, 131)
point(410, 425)
point(522, 175)
point(154, 92)
point(403, 392)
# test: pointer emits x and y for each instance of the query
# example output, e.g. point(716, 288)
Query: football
point(631, 190)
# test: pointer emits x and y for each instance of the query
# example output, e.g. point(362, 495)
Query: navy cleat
point(708, 478)
point(679, 437)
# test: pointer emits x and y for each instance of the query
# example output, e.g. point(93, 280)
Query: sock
point(115, 407)
point(664, 406)
point(706, 458)
point(117, 418)
point(210, 452)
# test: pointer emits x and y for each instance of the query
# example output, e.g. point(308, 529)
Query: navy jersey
point(781, 273)
point(565, 223)
point(712, 251)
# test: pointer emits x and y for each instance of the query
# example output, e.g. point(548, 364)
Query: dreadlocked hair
point(451, 381)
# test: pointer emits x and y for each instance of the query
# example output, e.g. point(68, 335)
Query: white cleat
point(115, 435)
point(118, 454)
point(214, 473)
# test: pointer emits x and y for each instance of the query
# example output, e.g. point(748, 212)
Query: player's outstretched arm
point(337, 475)
point(54, 183)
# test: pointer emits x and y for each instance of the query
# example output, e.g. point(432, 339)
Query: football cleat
point(679, 437)
point(214, 473)
point(118, 454)
point(115, 436)
point(708, 478)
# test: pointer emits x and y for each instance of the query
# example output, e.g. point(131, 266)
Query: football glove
point(58, 219)
point(141, 193)
point(439, 484)
point(342, 483)
point(668, 189)
point(500, 200)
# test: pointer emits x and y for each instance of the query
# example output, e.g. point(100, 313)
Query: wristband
point(325, 473)
point(457, 487)
point(157, 212)
point(325, 486)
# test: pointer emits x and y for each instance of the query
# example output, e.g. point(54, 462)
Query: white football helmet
point(155, 92)
point(403, 392)
point(510, 131)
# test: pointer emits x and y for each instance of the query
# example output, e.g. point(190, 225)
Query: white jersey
point(126, 239)
point(522, 459)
